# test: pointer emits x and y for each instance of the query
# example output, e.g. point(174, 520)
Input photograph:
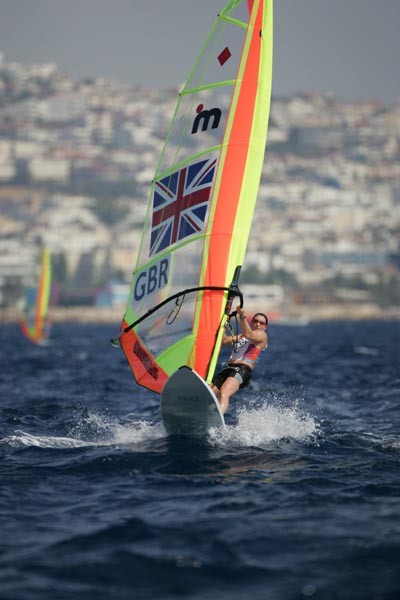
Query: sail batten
point(202, 200)
point(233, 21)
point(202, 88)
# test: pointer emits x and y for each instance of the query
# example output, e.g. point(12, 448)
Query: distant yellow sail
point(34, 322)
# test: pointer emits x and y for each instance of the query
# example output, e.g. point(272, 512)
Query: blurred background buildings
point(76, 160)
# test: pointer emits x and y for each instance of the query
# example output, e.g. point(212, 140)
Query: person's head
point(259, 320)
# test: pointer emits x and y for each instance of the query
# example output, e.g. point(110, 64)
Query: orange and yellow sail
point(202, 201)
point(34, 322)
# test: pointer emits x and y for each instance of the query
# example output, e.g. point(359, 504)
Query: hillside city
point(77, 158)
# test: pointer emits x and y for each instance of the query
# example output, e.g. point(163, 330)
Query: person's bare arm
point(257, 336)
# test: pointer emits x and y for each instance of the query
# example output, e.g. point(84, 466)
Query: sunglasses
point(259, 322)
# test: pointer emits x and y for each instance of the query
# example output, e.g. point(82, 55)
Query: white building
point(50, 169)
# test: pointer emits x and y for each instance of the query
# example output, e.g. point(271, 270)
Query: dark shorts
point(242, 373)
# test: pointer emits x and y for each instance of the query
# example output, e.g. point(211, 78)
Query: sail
point(201, 202)
point(34, 323)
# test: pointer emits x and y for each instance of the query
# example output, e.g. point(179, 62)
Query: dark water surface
point(299, 497)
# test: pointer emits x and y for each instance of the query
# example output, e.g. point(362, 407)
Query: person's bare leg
point(228, 388)
point(215, 390)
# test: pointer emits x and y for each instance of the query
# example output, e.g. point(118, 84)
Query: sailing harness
point(242, 374)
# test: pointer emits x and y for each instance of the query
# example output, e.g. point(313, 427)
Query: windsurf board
point(188, 405)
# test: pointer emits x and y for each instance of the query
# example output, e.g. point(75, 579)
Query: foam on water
point(110, 431)
point(22, 438)
point(256, 427)
point(253, 427)
point(136, 433)
point(366, 350)
point(102, 431)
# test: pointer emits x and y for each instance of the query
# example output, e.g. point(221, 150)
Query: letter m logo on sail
point(180, 204)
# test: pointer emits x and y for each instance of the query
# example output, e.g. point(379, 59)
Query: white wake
point(253, 427)
point(104, 431)
point(260, 426)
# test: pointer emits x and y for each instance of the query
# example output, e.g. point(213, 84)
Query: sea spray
point(94, 430)
point(260, 426)
point(23, 439)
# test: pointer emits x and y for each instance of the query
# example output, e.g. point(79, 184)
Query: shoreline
point(295, 315)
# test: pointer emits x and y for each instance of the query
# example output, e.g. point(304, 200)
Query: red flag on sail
point(224, 56)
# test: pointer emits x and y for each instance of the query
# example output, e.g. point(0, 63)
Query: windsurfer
point(247, 348)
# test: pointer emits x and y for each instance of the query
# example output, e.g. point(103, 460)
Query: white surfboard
point(188, 406)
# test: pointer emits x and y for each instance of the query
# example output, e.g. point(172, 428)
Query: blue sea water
point(299, 497)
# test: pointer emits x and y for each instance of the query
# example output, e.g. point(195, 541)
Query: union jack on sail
point(180, 204)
